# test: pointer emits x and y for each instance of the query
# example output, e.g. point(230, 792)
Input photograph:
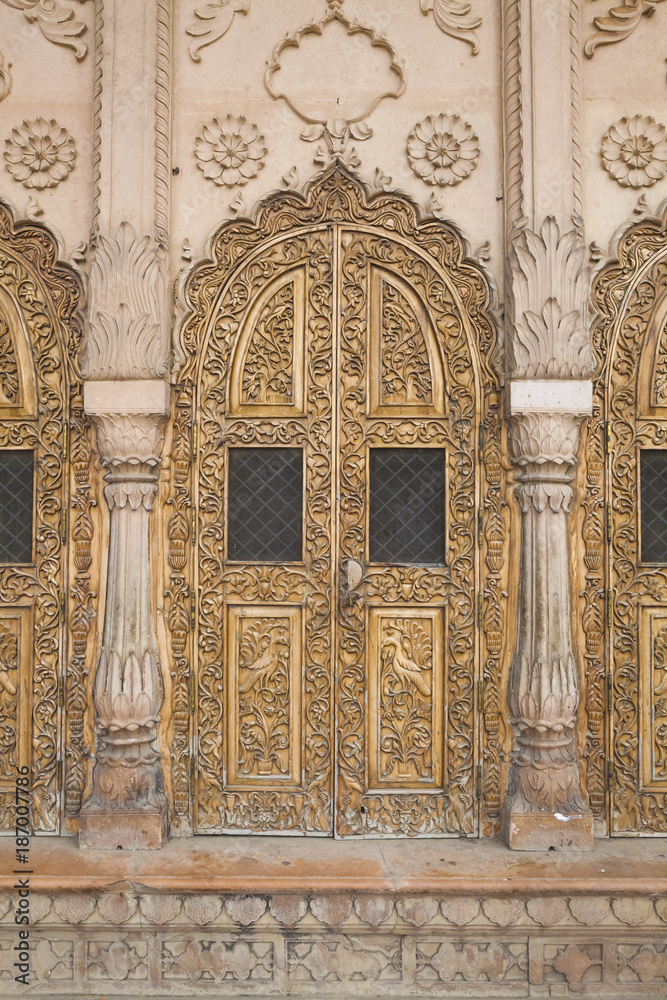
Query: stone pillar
point(549, 364)
point(126, 366)
point(544, 806)
point(127, 806)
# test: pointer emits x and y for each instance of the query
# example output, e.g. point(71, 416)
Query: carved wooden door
point(331, 373)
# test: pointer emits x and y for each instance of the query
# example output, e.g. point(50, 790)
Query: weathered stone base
point(538, 831)
point(218, 918)
point(107, 831)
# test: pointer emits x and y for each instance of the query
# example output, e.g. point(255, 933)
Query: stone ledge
point(291, 864)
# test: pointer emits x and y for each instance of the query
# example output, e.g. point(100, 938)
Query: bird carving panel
point(406, 697)
point(264, 693)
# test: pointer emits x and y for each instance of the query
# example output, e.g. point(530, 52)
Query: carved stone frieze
point(230, 151)
point(56, 21)
point(443, 149)
point(548, 307)
point(87, 941)
point(40, 153)
point(634, 151)
point(128, 307)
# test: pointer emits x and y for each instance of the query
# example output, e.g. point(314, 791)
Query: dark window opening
point(16, 506)
point(653, 480)
point(407, 505)
point(265, 505)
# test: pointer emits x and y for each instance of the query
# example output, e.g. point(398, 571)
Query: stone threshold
point(280, 864)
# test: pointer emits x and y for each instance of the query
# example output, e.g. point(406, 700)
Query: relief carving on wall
point(443, 149)
point(338, 111)
point(56, 21)
point(40, 154)
point(230, 151)
point(634, 151)
point(454, 18)
point(213, 21)
point(5, 79)
point(9, 716)
point(620, 22)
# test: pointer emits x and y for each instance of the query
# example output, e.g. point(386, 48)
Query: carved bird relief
point(397, 648)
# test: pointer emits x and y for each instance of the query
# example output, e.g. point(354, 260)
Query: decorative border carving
point(185, 944)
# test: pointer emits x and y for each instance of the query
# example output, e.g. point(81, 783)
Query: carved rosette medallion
point(40, 154)
point(230, 151)
point(443, 149)
point(634, 151)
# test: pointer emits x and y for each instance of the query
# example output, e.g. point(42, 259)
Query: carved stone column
point(544, 805)
point(127, 806)
point(126, 360)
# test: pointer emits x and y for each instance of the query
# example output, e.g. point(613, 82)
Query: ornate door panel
point(630, 398)
point(406, 628)
point(265, 545)
point(330, 408)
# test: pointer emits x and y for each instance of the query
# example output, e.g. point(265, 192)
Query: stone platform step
point(278, 917)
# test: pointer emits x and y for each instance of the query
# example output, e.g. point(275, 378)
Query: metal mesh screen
point(16, 506)
point(653, 478)
point(265, 506)
point(407, 505)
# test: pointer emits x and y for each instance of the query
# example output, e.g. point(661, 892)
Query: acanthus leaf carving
point(5, 79)
point(217, 19)
point(453, 17)
point(127, 336)
point(548, 305)
point(620, 23)
point(57, 23)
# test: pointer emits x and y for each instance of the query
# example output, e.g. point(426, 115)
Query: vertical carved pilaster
point(127, 805)
point(544, 805)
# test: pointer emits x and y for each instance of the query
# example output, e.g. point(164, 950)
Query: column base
point(107, 830)
point(542, 831)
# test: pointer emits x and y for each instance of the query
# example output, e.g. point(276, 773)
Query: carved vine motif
point(621, 22)
point(264, 696)
point(660, 377)
point(213, 21)
point(659, 704)
point(9, 720)
point(626, 294)
point(48, 294)
point(56, 22)
point(9, 372)
point(244, 257)
point(454, 18)
point(406, 699)
point(268, 371)
point(405, 369)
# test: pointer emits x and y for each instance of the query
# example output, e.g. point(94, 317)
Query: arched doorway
point(625, 598)
point(47, 595)
point(335, 547)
